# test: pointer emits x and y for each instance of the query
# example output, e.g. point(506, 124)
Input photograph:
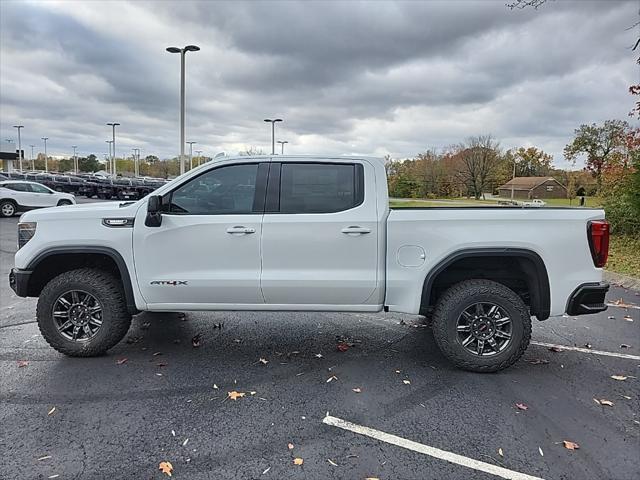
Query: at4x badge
point(173, 283)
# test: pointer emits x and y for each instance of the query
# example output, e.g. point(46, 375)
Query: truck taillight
point(598, 231)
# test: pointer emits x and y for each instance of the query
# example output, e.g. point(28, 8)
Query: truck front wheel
point(82, 313)
point(481, 325)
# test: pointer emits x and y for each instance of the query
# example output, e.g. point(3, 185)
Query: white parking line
point(427, 450)
point(587, 350)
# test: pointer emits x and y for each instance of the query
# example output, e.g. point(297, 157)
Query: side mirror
point(154, 216)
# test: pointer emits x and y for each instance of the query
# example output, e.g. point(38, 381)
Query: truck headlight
point(26, 231)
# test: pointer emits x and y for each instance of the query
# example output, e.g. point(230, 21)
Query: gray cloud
point(347, 77)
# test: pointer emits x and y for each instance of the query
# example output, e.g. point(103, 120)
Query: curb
point(622, 280)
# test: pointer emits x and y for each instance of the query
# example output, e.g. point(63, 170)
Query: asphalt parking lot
point(156, 397)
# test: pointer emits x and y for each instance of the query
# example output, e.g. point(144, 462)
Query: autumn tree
point(479, 161)
point(531, 162)
point(599, 143)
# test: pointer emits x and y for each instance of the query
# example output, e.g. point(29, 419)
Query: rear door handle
point(355, 230)
point(240, 230)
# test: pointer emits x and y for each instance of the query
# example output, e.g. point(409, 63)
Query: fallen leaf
point(121, 361)
point(331, 378)
point(603, 401)
point(406, 382)
point(522, 406)
point(290, 446)
point(263, 361)
point(618, 377)
point(332, 463)
point(166, 468)
point(570, 445)
point(541, 453)
point(235, 395)
point(500, 452)
point(22, 363)
point(196, 340)
point(298, 461)
point(357, 390)
point(555, 349)
point(51, 411)
point(539, 361)
point(342, 347)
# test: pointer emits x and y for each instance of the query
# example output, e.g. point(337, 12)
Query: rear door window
point(320, 187)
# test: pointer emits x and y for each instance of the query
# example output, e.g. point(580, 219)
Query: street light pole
point(182, 52)
point(75, 158)
point(110, 164)
point(191, 154)
point(19, 145)
point(113, 126)
point(273, 133)
point(136, 160)
point(199, 153)
point(33, 165)
point(46, 162)
point(282, 146)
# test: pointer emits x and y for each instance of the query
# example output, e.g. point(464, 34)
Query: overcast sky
point(370, 78)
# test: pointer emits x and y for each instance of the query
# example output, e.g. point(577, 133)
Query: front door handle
point(355, 230)
point(240, 230)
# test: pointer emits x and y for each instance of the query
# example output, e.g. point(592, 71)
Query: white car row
point(19, 196)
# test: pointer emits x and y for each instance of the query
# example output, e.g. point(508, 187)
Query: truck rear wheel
point(481, 325)
point(82, 313)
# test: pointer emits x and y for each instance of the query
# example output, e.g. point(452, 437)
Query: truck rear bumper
point(19, 281)
point(588, 298)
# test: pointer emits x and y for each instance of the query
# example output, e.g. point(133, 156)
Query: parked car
point(309, 233)
point(535, 203)
point(20, 196)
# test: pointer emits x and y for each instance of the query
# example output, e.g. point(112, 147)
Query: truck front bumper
point(19, 281)
point(588, 298)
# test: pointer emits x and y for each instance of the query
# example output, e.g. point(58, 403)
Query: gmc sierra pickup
point(309, 233)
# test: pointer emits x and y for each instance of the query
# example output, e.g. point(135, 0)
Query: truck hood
point(84, 210)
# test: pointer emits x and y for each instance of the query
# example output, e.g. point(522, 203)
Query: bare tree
point(479, 160)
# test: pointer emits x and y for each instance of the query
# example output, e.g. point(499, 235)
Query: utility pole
point(46, 160)
point(282, 145)
point(136, 162)
point(273, 133)
point(19, 145)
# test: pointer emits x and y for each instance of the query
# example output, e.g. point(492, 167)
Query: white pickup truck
point(309, 233)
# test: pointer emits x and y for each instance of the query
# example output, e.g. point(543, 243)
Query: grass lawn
point(624, 255)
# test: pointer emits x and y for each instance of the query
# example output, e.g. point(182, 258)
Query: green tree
point(531, 162)
point(601, 144)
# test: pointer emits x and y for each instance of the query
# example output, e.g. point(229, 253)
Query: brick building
point(528, 188)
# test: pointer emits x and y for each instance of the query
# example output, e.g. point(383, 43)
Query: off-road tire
point(107, 289)
point(7, 203)
point(464, 294)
